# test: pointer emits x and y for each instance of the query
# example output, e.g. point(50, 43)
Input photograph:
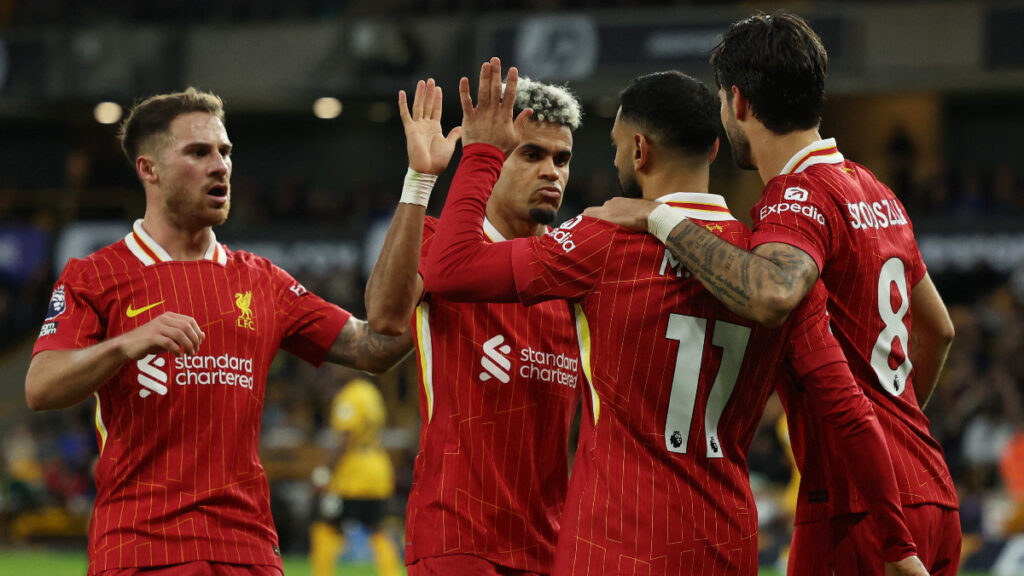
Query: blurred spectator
point(902, 155)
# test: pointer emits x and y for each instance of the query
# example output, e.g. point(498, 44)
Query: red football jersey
point(677, 384)
point(499, 386)
point(859, 235)
point(179, 476)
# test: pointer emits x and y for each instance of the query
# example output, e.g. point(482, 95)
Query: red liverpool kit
point(859, 235)
point(179, 477)
point(676, 383)
point(499, 386)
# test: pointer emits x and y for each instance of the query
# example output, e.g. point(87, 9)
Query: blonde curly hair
point(550, 103)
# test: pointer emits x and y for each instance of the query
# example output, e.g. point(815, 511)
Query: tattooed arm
point(764, 285)
point(359, 347)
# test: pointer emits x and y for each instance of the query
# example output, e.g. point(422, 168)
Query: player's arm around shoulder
point(359, 346)
point(764, 285)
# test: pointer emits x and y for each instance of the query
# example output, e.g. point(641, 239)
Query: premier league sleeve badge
point(58, 304)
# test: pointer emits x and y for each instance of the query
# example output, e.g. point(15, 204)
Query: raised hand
point(168, 332)
point(428, 148)
point(490, 121)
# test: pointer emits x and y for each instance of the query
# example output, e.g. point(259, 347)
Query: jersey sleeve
point(311, 324)
point(834, 396)
point(73, 318)
point(461, 265)
point(565, 263)
point(816, 358)
point(812, 343)
point(792, 211)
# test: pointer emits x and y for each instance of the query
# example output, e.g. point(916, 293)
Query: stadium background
point(926, 94)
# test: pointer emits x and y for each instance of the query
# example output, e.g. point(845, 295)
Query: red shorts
point(848, 545)
point(463, 565)
point(198, 568)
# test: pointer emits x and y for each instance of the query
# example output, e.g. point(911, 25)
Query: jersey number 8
point(892, 380)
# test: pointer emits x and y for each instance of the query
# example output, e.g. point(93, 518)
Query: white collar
point(492, 234)
point(820, 152)
point(146, 249)
point(698, 205)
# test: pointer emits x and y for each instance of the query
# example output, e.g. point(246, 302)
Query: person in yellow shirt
point(360, 485)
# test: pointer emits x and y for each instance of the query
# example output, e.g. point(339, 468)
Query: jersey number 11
point(690, 332)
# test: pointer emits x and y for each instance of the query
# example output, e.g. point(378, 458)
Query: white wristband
point(417, 188)
point(663, 219)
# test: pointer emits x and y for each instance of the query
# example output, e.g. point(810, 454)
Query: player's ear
point(641, 152)
point(146, 168)
point(714, 151)
point(739, 104)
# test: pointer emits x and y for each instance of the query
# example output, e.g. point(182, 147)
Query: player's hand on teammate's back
point(631, 213)
point(491, 122)
point(428, 148)
point(168, 332)
point(909, 566)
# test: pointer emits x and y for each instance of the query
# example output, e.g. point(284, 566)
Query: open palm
point(491, 120)
point(428, 148)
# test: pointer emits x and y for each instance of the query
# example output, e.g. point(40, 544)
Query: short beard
point(740, 146)
point(741, 155)
point(190, 217)
point(630, 188)
point(543, 216)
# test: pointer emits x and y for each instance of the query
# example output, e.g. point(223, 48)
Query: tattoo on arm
point(737, 277)
point(360, 347)
point(795, 269)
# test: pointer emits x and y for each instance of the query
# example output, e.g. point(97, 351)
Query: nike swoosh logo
point(133, 312)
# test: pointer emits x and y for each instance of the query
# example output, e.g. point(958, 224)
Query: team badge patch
point(58, 304)
point(244, 304)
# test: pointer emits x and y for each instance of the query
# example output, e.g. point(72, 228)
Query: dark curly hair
point(779, 64)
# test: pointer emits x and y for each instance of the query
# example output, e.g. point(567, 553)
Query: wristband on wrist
point(417, 188)
point(662, 220)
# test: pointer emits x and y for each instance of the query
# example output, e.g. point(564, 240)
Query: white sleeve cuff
point(662, 220)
